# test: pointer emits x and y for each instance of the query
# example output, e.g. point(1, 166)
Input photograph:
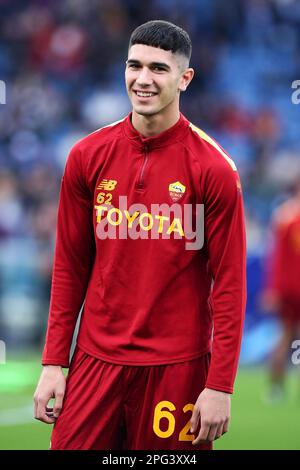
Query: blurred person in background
point(282, 295)
point(144, 342)
point(62, 62)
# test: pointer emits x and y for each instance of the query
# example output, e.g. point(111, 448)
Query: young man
point(143, 375)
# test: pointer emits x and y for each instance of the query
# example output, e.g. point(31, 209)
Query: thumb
point(58, 404)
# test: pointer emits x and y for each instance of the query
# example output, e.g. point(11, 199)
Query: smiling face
point(154, 78)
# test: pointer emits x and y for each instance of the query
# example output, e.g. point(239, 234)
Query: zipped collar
point(168, 137)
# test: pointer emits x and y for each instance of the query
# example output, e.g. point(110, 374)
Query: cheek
point(129, 80)
point(171, 89)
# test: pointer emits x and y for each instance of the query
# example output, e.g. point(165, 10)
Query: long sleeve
point(225, 238)
point(74, 255)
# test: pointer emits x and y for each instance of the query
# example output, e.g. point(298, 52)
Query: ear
point(186, 78)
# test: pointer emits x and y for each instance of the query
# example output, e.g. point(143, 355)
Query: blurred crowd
point(63, 65)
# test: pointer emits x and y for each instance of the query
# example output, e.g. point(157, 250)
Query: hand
point(212, 412)
point(52, 384)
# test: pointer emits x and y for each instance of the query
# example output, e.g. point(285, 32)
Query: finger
point(41, 412)
point(202, 436)
point(212, 432)
point(45, 418)
point(226, 426)
point(49, 412)
point(219, 431)
point(58, 404)
point(222, 429)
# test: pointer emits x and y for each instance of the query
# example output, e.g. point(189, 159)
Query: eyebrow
point(152, 64)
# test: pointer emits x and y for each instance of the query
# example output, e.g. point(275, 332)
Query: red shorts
point(109, 406)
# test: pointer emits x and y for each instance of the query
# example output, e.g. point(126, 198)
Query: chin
point(143, 111)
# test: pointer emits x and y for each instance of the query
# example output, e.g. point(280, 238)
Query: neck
point(154, 124)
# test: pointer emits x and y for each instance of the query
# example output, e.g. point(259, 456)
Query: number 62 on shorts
point(164, 410)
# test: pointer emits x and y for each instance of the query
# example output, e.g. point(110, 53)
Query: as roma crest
point(176, 191)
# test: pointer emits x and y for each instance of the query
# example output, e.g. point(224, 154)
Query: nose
point(144, 77)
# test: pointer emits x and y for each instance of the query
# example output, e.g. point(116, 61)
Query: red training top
point(148, 299)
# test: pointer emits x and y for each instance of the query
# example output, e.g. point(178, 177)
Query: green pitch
point(255, 424)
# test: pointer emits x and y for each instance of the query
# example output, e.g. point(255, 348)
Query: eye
point(157, 68)
point(133, 66)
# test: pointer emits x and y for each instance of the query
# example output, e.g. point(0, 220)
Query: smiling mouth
point(144, 94)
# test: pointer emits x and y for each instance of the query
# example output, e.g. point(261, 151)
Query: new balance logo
point(107, 185)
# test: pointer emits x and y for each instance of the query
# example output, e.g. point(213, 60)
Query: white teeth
point(139, 93)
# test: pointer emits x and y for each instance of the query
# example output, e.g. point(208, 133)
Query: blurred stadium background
point(63, 66)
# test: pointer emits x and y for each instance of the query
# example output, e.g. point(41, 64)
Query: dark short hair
point(163, 34)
